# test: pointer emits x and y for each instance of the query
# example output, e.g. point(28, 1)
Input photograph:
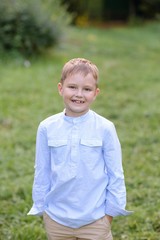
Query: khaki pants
point(98, 230)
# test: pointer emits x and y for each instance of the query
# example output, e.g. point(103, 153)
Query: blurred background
point(117, 10)
point(32, 26)
point(123, 39)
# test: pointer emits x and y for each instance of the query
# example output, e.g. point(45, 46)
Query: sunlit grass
point(128, 60)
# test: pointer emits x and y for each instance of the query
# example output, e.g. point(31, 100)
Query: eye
point(87, 89)
point(72, 87)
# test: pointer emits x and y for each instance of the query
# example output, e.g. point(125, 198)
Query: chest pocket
point(91, 142)
point(90, 151)
point(58, 150)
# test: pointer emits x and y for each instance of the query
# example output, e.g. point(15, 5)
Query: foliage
point(135, 11)
point(84, 11)
point(30, 26)
point(128, 61)
point(150, 8)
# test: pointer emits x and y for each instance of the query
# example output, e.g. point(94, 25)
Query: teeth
point(78, 101)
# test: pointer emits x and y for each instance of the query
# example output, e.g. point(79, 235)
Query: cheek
point(91, 97)
point(67, 95)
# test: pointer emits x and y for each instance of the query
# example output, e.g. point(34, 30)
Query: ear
point(96, 92)
point(60, 88)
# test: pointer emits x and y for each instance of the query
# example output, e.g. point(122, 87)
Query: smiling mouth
point(78, 101)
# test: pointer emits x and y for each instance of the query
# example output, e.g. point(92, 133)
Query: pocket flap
point(91, 142)
point(57, 142)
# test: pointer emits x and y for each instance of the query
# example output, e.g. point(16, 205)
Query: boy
point(79, 183)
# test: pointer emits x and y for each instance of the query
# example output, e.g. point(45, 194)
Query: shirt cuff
point(115, 211)
point(36, 211)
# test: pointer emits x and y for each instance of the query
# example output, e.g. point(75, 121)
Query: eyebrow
point(85, 86)
point(71, 83)
point(88, 86)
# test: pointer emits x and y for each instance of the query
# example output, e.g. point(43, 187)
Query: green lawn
point(129, 63)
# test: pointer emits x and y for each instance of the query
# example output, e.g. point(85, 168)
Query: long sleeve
point(116, 191)
point(41, 185)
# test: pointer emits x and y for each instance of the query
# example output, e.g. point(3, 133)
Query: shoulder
point(46, 123)
point(109, 131)
point(102, 121)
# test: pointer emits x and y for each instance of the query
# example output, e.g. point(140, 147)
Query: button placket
point(74, 150)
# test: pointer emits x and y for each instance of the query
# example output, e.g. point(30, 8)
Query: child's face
point(78, 93)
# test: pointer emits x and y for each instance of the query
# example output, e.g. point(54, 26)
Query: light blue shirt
point(78, 171)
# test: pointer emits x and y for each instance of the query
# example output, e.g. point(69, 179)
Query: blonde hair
point(81, 65)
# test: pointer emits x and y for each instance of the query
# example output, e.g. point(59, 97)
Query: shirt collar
point(82, 118)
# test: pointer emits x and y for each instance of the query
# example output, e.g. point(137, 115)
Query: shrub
point(31, 26)
point(150, 8)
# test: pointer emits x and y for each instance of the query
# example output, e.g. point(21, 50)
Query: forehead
point(81, 79)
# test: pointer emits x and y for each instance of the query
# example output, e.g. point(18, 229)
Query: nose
point(79, 92)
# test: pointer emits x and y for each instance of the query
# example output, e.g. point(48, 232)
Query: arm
point(116, 191)
point(110, 218)
point(41, 185)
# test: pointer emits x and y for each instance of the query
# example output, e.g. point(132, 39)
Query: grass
point(128, 60)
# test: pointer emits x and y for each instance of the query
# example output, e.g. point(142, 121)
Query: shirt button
point(73, 145)
point(75, 127)
point(73, 165)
